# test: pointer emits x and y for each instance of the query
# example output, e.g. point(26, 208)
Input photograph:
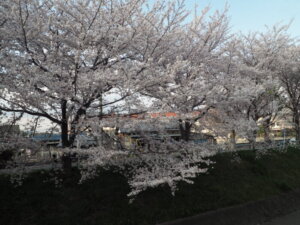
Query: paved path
point(290, 219)
point(32, 168)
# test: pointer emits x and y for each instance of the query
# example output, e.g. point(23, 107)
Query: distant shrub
point(5, 157)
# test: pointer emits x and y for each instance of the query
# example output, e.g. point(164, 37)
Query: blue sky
point(253, 15)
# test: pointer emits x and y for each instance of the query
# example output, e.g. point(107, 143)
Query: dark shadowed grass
point(235, 178)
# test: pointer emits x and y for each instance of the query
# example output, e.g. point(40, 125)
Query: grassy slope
point(103, 201)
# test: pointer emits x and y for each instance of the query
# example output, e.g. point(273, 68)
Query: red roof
point(151, 115)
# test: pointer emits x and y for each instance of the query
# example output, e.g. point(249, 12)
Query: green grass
point(103, 201)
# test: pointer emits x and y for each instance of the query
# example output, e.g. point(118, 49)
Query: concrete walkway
point(283, 209)
point(290, 219)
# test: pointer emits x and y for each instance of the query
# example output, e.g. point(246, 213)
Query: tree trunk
point(64, 125)
point(185, 130)
point(252, 140)
point(64, 135)
point(297, 126)
point(233, 140)
point(267, 137)
point(72, 139)
point(267, 131)
point(66, 158)
point(74, 129)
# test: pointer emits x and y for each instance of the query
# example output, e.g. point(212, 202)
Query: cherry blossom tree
point(67, 60)
point(290, 82)
point(191, 78)
point(252, 88)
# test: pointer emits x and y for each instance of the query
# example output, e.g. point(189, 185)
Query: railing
point(275, 144)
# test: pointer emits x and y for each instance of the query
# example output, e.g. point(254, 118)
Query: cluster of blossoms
point(165, 162)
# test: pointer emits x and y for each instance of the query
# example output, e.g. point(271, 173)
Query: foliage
point(104, 200)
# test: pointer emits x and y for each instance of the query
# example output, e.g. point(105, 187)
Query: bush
point(5, 157)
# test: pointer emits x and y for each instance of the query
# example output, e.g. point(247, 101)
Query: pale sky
point(253, 15)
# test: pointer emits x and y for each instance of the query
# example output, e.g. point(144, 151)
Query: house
point(154, 126)
point(47, 139)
